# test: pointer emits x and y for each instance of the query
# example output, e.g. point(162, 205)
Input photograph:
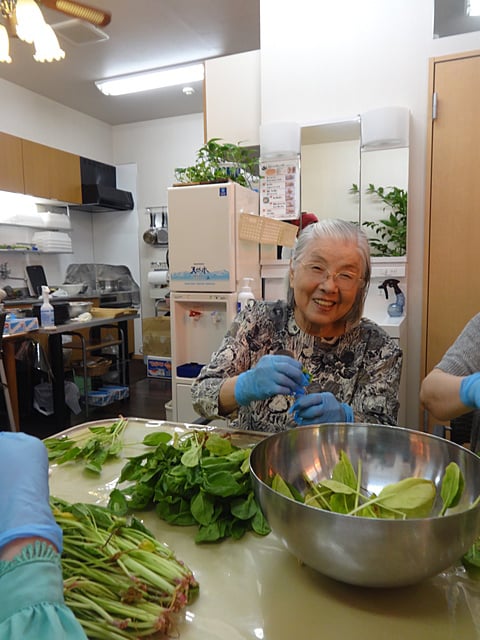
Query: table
point(253, 589)
point(55, 350)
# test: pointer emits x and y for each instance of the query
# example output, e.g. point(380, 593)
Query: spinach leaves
point(101, 444)
point(408, 498)
point(199, 479)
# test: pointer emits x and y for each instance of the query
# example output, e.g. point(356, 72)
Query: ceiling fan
point(98, 17)
point(25, 21)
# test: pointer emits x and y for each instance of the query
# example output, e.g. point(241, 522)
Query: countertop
point(253, 589)
point(75, 325)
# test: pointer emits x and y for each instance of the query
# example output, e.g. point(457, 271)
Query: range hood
point(99, 189)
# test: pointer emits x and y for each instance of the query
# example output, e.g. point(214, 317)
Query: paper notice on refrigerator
point(280, 188)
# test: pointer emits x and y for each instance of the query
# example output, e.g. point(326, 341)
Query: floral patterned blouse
point(361, 367)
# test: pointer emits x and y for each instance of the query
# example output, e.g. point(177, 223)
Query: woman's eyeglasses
point(344, 280)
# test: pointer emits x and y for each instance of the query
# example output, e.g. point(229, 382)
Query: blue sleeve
point(31, 593)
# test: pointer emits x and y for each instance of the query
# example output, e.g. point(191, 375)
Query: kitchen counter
point(253, 589)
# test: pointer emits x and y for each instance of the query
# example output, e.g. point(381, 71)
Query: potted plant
point(391, 231)
point(218, 161)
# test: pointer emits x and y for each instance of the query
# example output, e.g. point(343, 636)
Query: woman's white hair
point(336, 230)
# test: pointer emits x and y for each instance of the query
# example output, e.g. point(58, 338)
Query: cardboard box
point(159, 367)
point(20, 325)
point(156, 336)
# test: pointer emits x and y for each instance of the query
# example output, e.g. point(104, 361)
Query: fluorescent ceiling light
point(148, 80)
point(473, 8)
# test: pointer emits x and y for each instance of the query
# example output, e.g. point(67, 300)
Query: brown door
point(452, 231)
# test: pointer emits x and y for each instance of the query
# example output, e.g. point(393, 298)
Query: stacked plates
point(53, 241)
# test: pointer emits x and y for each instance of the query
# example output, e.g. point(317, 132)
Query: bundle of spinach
point(101, 444)
point(119, 581)
point(200, 478)
point(343, 493)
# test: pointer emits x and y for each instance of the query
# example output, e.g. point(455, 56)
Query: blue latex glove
point(313, 408)
point(272, 375)
point(24, 494)
point(470, 391)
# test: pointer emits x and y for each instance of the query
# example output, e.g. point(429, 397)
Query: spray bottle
point(47, 318)
point(245, 295)
point(395, 309)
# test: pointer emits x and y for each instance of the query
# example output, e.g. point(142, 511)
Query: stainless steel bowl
point(366, 551)
point(77, 308)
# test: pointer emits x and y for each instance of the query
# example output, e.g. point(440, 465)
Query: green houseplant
point(218, 161)
point(391, 231)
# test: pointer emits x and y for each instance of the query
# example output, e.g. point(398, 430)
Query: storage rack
point(96, 344)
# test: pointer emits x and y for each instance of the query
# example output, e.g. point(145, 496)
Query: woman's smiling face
point(326, 283)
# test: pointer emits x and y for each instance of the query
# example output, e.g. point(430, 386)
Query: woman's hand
point(314, 408)
point(272, 375)
point(24, 495)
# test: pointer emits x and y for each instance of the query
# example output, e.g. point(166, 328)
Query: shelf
point(36, 227)
point(33, 251)
point(118, 361)
point(93, 346)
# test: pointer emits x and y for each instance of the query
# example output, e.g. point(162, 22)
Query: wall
point(232, 98)
point(145, 153)
point(339, 58)
point(31, 116)
point(156, 147)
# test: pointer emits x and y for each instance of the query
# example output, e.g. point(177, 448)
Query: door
point(452, 230)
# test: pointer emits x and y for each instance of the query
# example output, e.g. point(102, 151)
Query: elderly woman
point(314, 358)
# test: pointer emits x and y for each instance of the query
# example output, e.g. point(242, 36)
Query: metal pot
point(150, 235)
point(162, 232)
point(107, 285)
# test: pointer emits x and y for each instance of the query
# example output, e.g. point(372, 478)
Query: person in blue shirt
point(31, 584)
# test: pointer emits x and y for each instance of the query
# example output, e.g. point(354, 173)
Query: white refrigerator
point(207, 263)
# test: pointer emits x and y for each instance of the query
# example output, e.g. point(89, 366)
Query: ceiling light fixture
point(153, 79)
point(25, 21)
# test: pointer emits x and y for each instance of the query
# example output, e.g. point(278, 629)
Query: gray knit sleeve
point(463, 357)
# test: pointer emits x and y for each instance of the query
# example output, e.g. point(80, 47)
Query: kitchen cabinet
point(51, 173)
point(452, 224)
point(11, 163)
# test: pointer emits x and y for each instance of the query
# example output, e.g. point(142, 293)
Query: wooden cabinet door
point(51, 173)
point(452, 229)
point(11, 163)
point(65, 176)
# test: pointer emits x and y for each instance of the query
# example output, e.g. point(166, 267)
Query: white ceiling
point(143, 34)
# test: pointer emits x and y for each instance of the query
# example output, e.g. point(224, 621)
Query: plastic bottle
point(395, 309)
point(245, 295)
point(47, 318)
